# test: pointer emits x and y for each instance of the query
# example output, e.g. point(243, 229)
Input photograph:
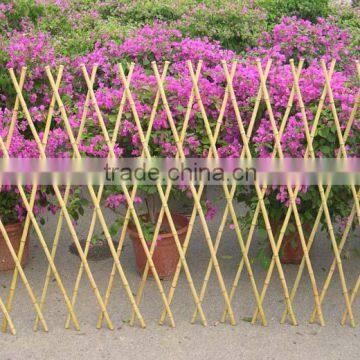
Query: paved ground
point(185, 341)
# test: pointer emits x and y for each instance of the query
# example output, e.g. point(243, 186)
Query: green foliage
point(76, 204)
point(235, 26)
point(8, 201)
point(23, 9)
point(143, 12)
point(349, 18)
point(305, 9)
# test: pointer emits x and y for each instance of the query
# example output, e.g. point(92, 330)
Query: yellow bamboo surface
point(179, 131)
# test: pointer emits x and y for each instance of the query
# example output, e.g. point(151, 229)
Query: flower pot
point(166, 255)
point(14, 232)
point(291, 251)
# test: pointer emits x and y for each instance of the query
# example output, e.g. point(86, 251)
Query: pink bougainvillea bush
point(291, 38)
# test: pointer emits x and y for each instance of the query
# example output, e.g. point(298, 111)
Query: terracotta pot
point(166, 255)
point(14, 232)
point(291, 251)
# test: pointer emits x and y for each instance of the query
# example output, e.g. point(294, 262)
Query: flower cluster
point(292, 38)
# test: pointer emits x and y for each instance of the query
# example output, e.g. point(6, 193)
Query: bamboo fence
point(213, 243)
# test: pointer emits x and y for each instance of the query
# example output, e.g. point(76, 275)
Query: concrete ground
point(243, 341)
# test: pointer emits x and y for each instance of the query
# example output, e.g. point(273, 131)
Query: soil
point(165, 226)
point(97, 252)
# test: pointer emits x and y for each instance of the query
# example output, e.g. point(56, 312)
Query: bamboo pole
point(257, 187)
point(333, 265)
point(352, 299)
point(254, 221)
point(7, 317)
point(30, 210)
point(232, 192)
point(66, 197)
point(94, 216)
point(15, 110)
point(56, 189)
point(200, 189)
point(161, 193)
point(292, 198)
point(229, 202)
point(327, 192)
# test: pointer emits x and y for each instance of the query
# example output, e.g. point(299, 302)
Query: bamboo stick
point(328, 189)
point(66, 197)
point(93, 220)
point(254, 221)
point(333, 265)
point(229, 202)
point(161, 193)
point(292, 198)
point(352, 299)
point(57, 191)
point(232, 192)
point(15, 110)
point(30, 210)
point(257, 188)
point(7, 317)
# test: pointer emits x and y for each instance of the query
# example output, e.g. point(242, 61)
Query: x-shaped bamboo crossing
point(195, 98)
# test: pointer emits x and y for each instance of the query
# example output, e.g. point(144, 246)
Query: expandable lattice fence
point(244, 242)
